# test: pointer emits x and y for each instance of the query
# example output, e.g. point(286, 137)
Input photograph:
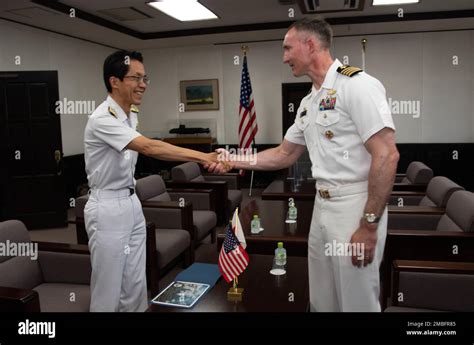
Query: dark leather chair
point(437, 194)
point(204, 219)
point(428, 286)
point(416, 178)
point(189, 175)
point(57, 281)
point(167, 244)
point(439, 237)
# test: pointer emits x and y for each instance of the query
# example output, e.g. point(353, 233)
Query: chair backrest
point(439, 191)
point(19, 266)
point(418, 172)
point(187, 172)
point(152, 188)
point(459, 214)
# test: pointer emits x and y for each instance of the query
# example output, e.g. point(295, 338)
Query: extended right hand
point(224, 164)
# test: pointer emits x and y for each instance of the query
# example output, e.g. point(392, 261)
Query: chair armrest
point(232, 179)
point(392, 209)
point(201, 199)
point(222, 196)
point(406, 197)
point(409, 187)
point(409, 221)
point(405, 193)
point(434, 266)
point(429, 245)
point(63, 247)
point(152, 264)
point(18, 300)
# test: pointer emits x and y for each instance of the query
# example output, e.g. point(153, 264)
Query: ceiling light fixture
point(393, 2)
point(183, 10)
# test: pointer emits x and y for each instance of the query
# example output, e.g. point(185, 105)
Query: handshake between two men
point(224, 161)
point(280, 157)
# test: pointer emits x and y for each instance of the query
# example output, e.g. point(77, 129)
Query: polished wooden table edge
point(256, 238)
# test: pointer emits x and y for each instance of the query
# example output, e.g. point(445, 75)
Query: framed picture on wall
point(199, 94)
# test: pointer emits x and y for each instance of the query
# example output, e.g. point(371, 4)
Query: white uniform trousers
point(335, 283)
point(117, 237)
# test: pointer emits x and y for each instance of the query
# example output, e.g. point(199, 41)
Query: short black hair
point(117, 65)
point(316, 26)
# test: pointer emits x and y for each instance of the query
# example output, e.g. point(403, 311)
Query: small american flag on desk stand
point(233, 259)
point(248, 127)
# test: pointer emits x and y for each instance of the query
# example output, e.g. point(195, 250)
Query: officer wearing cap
point(113, 215)
point(346, 124)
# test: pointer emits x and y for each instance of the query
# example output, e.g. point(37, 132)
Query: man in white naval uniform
point(113, 215)
point(345, 123)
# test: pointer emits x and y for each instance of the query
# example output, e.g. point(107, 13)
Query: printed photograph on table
point(181, 294)
point(200, 94)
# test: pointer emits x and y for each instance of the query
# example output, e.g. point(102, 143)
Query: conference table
point(272, 215)
point(283, 189)
point(263, 292)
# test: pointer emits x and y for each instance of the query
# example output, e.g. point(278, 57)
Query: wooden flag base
point(235, 294)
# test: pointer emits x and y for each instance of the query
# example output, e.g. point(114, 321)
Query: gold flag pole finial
point(363, 41)
point(245, 49)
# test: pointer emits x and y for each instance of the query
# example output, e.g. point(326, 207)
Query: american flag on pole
point(248, 119)
point(233, 259)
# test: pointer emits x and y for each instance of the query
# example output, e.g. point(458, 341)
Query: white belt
point(342, 190)
point(108, 193)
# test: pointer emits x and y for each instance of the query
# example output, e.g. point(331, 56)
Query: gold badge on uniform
point(329, 134)
point(331, 92)
point(112, 112)
point(134, 109)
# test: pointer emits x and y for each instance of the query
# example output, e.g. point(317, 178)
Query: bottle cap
point(280, 244)
point(255, 216)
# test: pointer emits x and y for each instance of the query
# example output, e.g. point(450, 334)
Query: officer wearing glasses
point(113, 215)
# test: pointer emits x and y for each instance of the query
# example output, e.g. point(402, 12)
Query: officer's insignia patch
point(112, 112)
point(328, 103)
point(134, 109)
point(348, 70)
point(331, 92)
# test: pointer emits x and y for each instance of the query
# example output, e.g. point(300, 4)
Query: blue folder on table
point(200, 273)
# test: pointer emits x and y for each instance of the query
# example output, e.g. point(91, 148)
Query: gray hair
point(316, 26)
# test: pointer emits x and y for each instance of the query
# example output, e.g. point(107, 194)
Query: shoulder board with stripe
point(134, 109)
point(348, 70)
point(112, 112)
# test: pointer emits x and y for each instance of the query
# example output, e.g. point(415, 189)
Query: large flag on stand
point(233, 259)
point(248, 119)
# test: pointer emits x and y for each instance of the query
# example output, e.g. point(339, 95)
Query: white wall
point(79, 66)
point(414, 66)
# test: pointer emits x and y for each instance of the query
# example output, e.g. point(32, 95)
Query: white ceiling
point(230, 12)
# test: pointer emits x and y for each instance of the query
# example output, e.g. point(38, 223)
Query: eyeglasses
point(138, 79)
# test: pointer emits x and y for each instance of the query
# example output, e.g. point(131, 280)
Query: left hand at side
point(366, 236)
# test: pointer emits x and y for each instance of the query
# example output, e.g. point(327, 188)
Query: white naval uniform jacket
point(335, 122)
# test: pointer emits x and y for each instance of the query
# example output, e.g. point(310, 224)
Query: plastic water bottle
point(292, 210)
point(280, 256)
point(255, 225)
